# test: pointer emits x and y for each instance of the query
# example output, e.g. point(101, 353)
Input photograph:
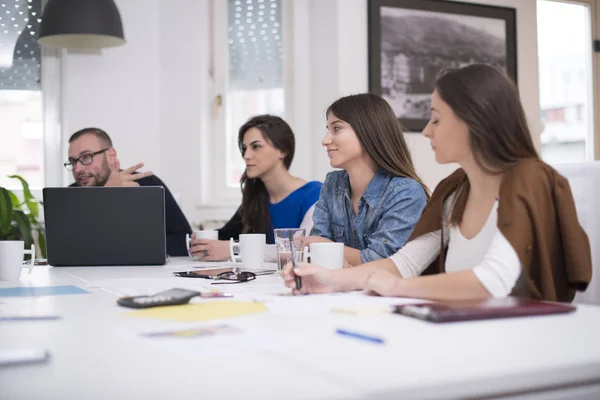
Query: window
point(566, 84)
point(21, 114)
point(247, 72)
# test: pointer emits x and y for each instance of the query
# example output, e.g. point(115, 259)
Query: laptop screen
point(105, 226)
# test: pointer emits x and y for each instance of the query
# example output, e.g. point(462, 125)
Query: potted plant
point(19, 219)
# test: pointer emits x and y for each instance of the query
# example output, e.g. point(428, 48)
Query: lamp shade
point(81, 24)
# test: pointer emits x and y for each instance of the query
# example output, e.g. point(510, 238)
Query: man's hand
point(127, 177)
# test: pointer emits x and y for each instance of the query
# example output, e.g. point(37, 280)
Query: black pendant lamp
point(81, 24)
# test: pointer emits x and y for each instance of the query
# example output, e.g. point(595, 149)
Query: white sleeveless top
point(489, 255)
point(467, 253)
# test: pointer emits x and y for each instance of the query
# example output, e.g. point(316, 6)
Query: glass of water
point(283, 242)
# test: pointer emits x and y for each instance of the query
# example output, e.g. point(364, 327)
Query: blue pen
point(359, 336)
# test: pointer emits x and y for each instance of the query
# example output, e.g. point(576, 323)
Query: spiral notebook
point(471, 310)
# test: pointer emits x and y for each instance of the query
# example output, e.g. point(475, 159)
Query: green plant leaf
point(18, 223)
point(42, 241)
point(29, 200)
point(34, 208)
point(23, 227)
point(6, 212)
point(16, 203)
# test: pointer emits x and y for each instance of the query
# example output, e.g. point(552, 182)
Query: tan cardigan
point(536, 214)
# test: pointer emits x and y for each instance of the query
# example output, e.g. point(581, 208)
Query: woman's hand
point(383, 283)
point(314, 279)
point(209, 250)
point(315, 239)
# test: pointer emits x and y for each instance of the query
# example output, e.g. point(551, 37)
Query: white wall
point(527, 76)
point(149, 94)
point(118, 89)
point(153, 94)
point(341, 25)
point(183, 116)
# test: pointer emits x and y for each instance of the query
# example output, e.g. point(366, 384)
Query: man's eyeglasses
point(84, 159)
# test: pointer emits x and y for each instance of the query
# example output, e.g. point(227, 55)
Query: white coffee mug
point(250, 250)
point(212, 235)
point(11, 259)
point(326, 255)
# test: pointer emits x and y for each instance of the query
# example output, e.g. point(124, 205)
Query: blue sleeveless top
point(289, 212)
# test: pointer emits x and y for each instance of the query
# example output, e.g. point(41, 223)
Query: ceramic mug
point(11, 259)
point(212, 235)
point(326, 255)
point(250, 250)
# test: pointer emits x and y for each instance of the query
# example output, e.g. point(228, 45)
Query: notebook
point(470, 310)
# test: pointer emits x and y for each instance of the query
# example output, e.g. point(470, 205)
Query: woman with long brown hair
point(503, 224)
point(271, 196)
point(374, 202)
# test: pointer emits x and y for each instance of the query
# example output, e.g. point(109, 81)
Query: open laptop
point(105, 226)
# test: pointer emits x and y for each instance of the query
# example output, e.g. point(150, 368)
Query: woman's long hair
point(488, 102)
point(378, 132)
point(255, 199)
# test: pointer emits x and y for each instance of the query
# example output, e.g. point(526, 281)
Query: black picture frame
point(419, 38)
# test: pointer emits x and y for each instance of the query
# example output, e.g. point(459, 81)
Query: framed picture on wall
point(411, 41)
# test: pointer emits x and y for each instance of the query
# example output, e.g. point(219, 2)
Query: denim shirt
point(387, 213)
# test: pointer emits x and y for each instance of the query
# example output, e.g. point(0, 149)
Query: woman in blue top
point(374, 202)
point(271, 197)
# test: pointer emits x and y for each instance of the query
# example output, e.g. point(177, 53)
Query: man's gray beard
point(102, 179)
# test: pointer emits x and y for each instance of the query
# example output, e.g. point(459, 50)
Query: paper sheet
point(198, 331)
point(149, 286)
point(270, 261)
point(266, 266)
point(33, 291)
point(205, 311)
point(356, 303)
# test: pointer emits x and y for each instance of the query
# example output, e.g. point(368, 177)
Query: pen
point(293, 248)
point(359, 336)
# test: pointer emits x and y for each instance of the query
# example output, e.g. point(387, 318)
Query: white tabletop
point(290, 351)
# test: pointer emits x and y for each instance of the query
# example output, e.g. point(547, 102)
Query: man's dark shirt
point(176, 223)
point(233, 228)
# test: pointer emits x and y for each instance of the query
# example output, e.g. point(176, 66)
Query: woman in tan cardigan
point(503, 224)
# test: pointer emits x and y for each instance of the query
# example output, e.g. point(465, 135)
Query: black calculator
point(169, 297)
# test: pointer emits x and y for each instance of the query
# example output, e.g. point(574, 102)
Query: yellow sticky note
point(205, 311)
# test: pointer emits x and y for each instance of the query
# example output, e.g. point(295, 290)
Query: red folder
point(470, 310)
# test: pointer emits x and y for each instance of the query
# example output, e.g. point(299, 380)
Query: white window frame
point(215, 191)
point(54, 151)
point(595, 16)
point(53, 78)
point(594, 7)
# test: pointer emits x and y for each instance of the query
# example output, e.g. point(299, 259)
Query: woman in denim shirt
point(374, 202)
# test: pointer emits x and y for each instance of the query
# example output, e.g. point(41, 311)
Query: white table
point(291, 351)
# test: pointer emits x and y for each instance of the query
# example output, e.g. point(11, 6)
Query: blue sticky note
point(40, 291)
